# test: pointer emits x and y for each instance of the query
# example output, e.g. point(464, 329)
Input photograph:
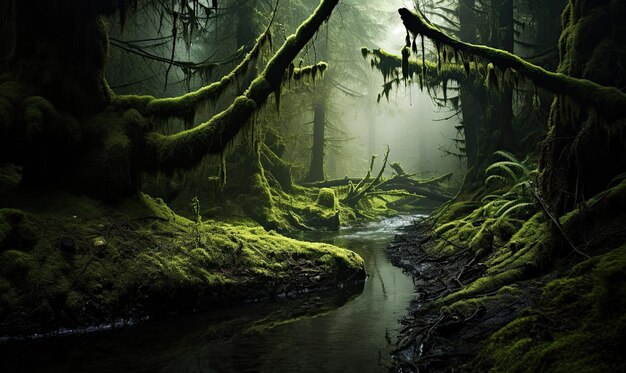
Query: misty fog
point(419, 132)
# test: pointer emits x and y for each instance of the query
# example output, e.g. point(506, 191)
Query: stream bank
point(510, 295)
point(337, 331)
point(69, 261)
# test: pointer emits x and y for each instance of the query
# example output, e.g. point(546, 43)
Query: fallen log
point(426, 188)
point(332, 183)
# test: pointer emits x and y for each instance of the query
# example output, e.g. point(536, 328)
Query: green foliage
point(514, 180)
point(609, 101)
point(428, 73)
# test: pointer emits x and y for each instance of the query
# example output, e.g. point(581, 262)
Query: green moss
point(327, 198)
point(529, 249)
point(107, 169)
point(307, 72)
point(185, 149)
point(514, 252)
point(44, 122)
point(577, 325)
point(455, 210)
point(147, 259)
point(387, 63)
point(590, 219)
point(185, 107)
point(467, 307)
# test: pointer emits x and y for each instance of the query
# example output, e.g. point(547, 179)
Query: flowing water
point(344, 331)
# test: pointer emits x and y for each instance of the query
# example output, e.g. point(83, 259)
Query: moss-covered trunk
point(470, 102)
point(584, 151)
point(60, 49)
point(500, 111)
point(54, 94)
point(60, 121)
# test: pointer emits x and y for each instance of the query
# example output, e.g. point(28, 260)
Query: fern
point(507, 156)
point(495, 178)
point(518, 206)
point(516, 180)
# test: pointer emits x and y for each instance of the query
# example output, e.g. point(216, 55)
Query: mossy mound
point(69, 261)
point(327, 198)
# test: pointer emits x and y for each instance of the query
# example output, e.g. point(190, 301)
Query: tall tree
point(316, 166)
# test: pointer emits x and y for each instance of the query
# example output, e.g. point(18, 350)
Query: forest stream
point(312, 186)
point(347, 331)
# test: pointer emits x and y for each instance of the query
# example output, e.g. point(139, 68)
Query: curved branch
point(184, 107)
point(608, 101)
point(188, 148)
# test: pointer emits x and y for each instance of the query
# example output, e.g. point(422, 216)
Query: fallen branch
point(359, 192)
point(428, 188)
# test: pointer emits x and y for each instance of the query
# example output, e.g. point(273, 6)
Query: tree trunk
point(60, 50)
point(585, 146)
point(316, 168)
point(471, 104)
point(247, 26)
point(487, 113)
point(584, 151)
point(7, 33)
point(500, 111)
point(57, 59)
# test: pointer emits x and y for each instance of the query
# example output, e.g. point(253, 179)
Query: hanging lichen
point(186, 106)
point(491, 81)
point(406, 53)
point(389, 66)
point(609, 101)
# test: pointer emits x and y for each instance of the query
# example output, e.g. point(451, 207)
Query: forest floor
point(496, 295)
point(70, 261)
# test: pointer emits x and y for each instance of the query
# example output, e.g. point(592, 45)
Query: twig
point(556, 222)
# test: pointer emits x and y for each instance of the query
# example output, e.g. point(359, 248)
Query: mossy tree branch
point(187, 148)
point(429, 73)
point(185, 106)
point(387, 62)
point(610, 102)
